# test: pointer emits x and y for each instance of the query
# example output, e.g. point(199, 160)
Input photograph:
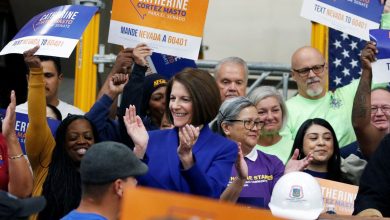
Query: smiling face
point(271, 114)
point(380, 107)
point(318, 140)
point(231, 80)
point(79, 138)
point(236, 130)
point(313, 85)
point(180, 105)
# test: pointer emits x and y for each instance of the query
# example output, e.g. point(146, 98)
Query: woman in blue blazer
point(189, 158)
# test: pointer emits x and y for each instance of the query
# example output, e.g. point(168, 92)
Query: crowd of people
point(197, 133)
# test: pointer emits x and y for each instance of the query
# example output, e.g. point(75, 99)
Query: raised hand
point(123, 61)
point(240, 164)
point(117, 83)
point(368, 55)
point(31, 60)
point(298, 165)
point(137, 131)
point(8, 128)
point(188, 135)
point(141, 51)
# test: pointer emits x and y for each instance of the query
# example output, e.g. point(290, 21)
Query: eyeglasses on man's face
point(383, 108)
point(250, 124)
point(304, 72)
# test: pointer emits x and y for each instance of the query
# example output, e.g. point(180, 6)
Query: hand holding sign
point(31, 60)
point(141, 51)
point(368, 55)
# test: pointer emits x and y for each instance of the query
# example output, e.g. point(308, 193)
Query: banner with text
point(338, 197)
point(168, 27)
point(57, 31)
point(381, 67)
point(21, 126)
point(354, 17)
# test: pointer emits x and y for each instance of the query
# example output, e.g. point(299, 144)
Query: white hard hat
point(297, 195)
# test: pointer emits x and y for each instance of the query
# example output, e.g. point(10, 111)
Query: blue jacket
point(214, 157)
point(107, 128)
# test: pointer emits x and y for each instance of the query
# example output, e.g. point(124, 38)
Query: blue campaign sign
point(56, 31)
point(170, 65)
point(67, 21)
point(372, 8)
point(22, 123)
point(382, 39)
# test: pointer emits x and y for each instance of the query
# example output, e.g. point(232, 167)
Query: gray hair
point(263, 92)
point(235, 60)
point(230, 109)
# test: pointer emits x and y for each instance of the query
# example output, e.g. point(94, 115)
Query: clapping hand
point(298, 165)
point(188, 135)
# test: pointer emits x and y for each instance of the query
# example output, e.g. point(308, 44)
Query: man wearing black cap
point(13, 208)
point(106, 170)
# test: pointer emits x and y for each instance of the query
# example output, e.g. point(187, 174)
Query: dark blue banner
point(22, 123)
point(372, 8)
point(67, 21)
point(170, 65)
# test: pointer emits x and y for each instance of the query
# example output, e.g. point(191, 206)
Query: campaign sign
point(169, 65)
point(173, 27)
point(21, 126)
point(338, 197)
point(57, 31)
point(354, 17)
point(381, 67)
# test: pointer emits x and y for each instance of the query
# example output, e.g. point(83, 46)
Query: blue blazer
point(214, 157)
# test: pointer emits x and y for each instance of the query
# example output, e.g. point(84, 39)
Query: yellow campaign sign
point(338, 195)
point(173, 27)
point(144, 203)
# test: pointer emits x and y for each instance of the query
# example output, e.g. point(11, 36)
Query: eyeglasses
point(384, 109)
point(249, 124)
point(304, 72)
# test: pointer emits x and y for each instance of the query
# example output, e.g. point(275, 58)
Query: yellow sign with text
point(338, 196)
point(144, 203)
point(173, 27)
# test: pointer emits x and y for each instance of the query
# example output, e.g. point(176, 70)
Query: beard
point(313, 92)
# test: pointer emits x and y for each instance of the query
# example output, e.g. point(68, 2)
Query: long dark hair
point(334, 162)
point(62, 187)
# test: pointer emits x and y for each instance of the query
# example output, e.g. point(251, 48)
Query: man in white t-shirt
point(53, 77)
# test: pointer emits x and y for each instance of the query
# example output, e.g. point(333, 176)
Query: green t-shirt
point(282, 149)
point(335, 107)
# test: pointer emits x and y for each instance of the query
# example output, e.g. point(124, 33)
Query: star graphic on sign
point(337, 80)
point(337, 62)
point(344, 36)
point(353, 45)
point(346, 72)
point(345, 53)
point(337, 44)
point(354, 63)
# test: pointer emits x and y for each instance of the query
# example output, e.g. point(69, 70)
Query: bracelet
point(16, 156)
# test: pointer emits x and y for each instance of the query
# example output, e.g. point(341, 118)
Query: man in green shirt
point(310, 71)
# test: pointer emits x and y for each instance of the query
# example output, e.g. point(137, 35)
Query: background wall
point(266, 31)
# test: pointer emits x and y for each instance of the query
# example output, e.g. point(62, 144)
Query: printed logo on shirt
point(296, 192)
point(335, 103)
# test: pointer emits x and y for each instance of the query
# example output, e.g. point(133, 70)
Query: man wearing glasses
point(310, 71)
